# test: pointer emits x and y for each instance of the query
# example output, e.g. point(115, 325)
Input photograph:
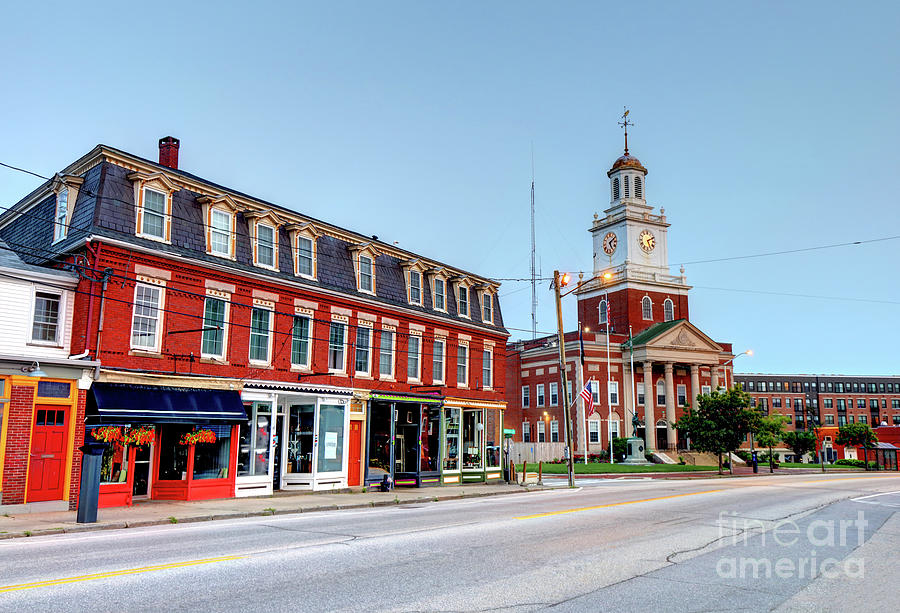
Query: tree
point(857, 435)
point(801, 442)
point(720, 423)
point(769, 432)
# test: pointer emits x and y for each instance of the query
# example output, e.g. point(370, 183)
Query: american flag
point(588, 397)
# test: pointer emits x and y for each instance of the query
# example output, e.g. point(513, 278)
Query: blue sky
point(765, 126)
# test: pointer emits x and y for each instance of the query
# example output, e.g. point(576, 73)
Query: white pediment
point(684, 336)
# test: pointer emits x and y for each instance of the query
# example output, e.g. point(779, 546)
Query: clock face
point(647, 241)
point(609, 243)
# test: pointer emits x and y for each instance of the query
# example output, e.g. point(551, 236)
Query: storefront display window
point(451, 444)
point(173, 456)
point(114, 465)
point(493, 437)
point(300, 438)
point(428, 456)
point(211, 459)
point(380, 416)
point(253, 448)
point(331, 438)
point(472, 440)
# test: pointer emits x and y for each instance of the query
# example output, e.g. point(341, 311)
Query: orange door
point(46, 471)
point(355, 453)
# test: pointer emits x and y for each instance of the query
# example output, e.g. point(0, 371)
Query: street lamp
point(725, 365)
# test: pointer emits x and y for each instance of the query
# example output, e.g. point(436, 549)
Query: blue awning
point(122, 403)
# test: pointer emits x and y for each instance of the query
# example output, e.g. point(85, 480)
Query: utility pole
point(557, 281)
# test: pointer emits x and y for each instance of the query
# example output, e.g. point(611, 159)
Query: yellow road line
point(616, 504)
point(115, 573)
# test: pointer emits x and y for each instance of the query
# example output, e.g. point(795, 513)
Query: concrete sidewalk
point(157, 512)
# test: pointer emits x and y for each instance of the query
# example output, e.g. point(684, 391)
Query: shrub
point(744, 455)
point(854, 463)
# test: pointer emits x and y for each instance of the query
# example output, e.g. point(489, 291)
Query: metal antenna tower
point(534, 299)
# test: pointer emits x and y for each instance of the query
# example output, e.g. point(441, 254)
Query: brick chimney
point(168, 151)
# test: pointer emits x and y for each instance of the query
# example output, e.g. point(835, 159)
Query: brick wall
point(75, 482)
point(18, 435)
point(625, 309)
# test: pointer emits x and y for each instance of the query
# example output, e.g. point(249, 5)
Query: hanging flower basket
point(198, 436)
point(108, 434)
point(142, 435)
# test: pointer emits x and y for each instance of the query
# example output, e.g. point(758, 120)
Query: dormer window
point(647, 308)
point(264, 238)
point(154, 218)
point(366, 274)
point(153, 205)
point(62, 214)
point(668, 310)
point(265, 245)
point(615, 188)
point(625, 183)
point(440, 294)
point(638, 188)
point(463, 300)
point(415, 287)
point(487, 305)
point(303, 239)
point(220, 232)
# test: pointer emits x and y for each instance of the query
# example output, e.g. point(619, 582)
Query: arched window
point(660, 393)
point(638, 188)
point(668, 310)
point(616, 188)
point(647, 308)
point(603, 319)
point(626, 186)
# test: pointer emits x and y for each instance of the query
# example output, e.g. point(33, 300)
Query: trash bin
point(89, 494)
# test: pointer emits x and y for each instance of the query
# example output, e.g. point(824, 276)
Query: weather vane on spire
point(625, 123)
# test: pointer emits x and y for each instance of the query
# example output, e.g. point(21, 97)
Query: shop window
point(451, 442)
point(45, 323)
point(253, 440)
point(173, 456)
point(211, 459)
point(430, 442)
point(363, 350)
point(493, 436)
point(212, 344)
point(300, 438)
point(330, 456)
point(300, 339)
point(114, 464)
point(437, 362)
point(472, 440)
point(54, 389)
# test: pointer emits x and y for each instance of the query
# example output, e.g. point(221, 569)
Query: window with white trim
point(640, 393)
point(614, 428)
point(462, 366)
point(62, 214)
point(554, 431)
point(366, 280)
point(595, 391)
point(625, 184)
point(260, 334)
point(526, 432)
point(306, 256)
point(554, 394)
point(613, 392)
point(660, 393)
point(487, 303)
point(463, 301)
point(45, 322)
point(414, 358)
point(705, 390)
point(362, 363)
point(615, 188)
point(300, 341)
point(569, 391)
point(154, 217)
point(638, 191)
point(526, 396)
point(386, 354)
point(145, 324)
point(437, 361)
point(487, 369)
point(541, 437)
point(540, 394)
point(647, 308)
point(415, 287)
point(593, 431)
point(212, 343)
point(603, 312)
point(337, 346)
point(220, 232)
point(668, 310)
point(681, 393)
point(265, 245)
point(440, 295)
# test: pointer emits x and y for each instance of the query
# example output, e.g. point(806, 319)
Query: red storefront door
point(355, 444)
point(46, 471)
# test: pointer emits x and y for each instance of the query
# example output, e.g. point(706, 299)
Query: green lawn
point(819, 466)
point(602, 468)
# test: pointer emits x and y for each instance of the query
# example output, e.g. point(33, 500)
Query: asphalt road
point(802, 542)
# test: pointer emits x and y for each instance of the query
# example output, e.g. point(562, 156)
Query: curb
point(143, 523)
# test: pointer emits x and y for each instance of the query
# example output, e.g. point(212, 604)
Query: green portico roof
point(645, 336)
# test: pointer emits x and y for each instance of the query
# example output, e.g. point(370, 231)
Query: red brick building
point(642, 354)
point(260, 348)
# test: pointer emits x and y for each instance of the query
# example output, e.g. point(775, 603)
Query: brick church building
point(642, 354)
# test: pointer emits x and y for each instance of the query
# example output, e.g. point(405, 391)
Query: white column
point(670, 405)
point(695, 384)
point(649, 412)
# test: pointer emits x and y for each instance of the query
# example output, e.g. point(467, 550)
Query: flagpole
point(634, 389)
point(584, 437)
point(612, 458)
